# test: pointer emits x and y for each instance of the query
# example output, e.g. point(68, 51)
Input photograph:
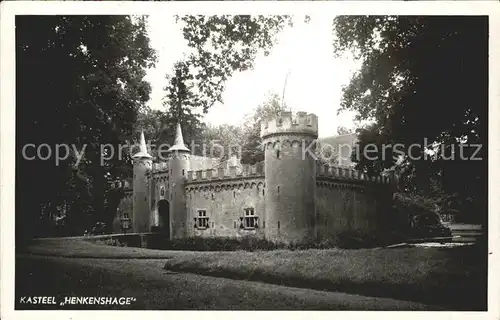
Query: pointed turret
point(179, 164)
point(143, 163)
point(143, 150)
point(179, 141)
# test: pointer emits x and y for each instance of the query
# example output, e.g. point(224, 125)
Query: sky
point(304, 52)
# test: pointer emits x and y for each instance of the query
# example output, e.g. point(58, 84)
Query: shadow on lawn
point(462, 286)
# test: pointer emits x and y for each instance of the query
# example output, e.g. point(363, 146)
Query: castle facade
point(289, 197)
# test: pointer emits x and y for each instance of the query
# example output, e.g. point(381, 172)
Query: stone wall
point(124, 209)
point(159, 190)
point(344, 207)
point(224, 201)
point(347, 200)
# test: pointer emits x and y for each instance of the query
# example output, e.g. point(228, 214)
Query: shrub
point(111, 242)
point(417, 217)
point(220, 244)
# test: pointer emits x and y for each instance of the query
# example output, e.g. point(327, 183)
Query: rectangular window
point(249, 221)
point(201, 221)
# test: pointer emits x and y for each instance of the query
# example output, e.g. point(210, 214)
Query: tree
point(231, 138)
point(222, 45)
point(419, 84)
point(181, 105)
point(225, 44)
point(341, 130)
point(252, 149)
point(79, 82)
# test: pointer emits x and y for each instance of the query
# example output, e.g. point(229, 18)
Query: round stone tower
point(178, 166)
point(290, 176)
point(143, 163)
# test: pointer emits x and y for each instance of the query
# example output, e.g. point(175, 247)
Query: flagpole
point(284, 88)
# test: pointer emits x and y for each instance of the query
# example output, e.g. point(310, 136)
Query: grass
point(86, 249)
point(157, 289)
point(452, 277)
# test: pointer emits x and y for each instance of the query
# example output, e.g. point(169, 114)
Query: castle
point(290, 197)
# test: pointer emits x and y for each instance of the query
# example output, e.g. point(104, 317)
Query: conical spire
point(179, 141)
point(143, 150)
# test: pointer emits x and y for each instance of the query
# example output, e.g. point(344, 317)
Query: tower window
point(278, 224)
point(249, 221)
point(183, 172)
point(278, 154)
point(278, 189)
point(201, 221)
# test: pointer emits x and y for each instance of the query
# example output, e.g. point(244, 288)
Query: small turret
point(179, 141)
point(143, 149)
point(142, 165)
point(179, 164)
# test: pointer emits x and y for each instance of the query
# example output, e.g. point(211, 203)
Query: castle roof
point(143, 150)
point(179, 141)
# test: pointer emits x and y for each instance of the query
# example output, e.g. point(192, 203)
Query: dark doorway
point(164, 214)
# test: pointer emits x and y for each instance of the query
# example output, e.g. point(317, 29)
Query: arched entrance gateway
point(164, 217)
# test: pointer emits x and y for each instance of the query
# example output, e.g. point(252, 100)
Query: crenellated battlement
point(224, 173)
point(347, 173)
point(160, 167)
point(289, 123)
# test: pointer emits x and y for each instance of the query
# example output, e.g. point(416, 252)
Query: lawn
point(451, 277)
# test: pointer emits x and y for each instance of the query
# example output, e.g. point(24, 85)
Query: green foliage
point(247, 137)
point(354, 239)
point(79, 82)
point(223, 45)
point(417, 82)
point(181, 106)
point(220, 244)
point(230, 137)
point(415, 216)
point(341, 130)
point(111, 242)
point(252, 149)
